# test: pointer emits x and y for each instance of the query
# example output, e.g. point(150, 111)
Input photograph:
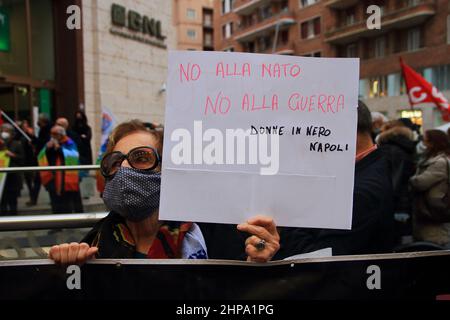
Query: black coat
point(400, 150)
point(84, 144)
point(372, 224)
point(43, 138)
point(13, 183)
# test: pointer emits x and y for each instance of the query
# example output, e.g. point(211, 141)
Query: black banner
point(394, 276)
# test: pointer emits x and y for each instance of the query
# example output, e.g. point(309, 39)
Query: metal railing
point(49, 168)
point(54, 221)
point(44, 222)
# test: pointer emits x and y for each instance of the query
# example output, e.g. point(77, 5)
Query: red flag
point(421, 91)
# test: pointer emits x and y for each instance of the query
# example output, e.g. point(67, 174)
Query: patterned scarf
point(67, 180)
point(114, 240)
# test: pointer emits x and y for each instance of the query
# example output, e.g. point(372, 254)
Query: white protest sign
point(250, 134)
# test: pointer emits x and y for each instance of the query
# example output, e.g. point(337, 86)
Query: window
point(208, 39)
point(380, 45)
point(412, 3)
point(310, 29)
point(440, 76)
point(190, 13)
point(207, 20)
point(191, 34)
point(266, 12)
point(264, 43)
point(391, 85)
point(227, 30)
point(414, 38)
point(227, 5)
point(283, 38)
point(251, 46)
point(351, 51)
point(395, 85)
point(350, 16)
point(305, 3)
point(378, 87)
point(364, 88)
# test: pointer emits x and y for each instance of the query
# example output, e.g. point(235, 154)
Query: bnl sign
point(136, 22)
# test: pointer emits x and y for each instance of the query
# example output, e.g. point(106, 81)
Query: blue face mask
point(132, 193)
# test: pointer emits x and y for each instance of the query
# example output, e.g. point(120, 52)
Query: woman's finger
point(64, 252)
point(74, 248)
point(92, 252)
point(264, 221)
point(82, 253)
point(55, 254)
point(261, 232)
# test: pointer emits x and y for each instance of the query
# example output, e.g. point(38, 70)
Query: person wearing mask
point(13, 182)
point(63, 122)
point(84, 131)
point(132, 169)
point(62, 186)
point(372, 222)
point(431, 219)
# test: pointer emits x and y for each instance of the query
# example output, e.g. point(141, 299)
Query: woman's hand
point(74, 253)
point(265, 240)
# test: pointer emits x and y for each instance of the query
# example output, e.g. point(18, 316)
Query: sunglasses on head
point(141, 158)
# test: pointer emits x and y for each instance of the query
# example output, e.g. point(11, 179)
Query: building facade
point(116, 58)
point(126, 43)
point(193, 20)
point(41, 60)
point(416, 30)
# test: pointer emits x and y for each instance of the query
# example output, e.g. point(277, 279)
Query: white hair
point(378, 116)
point(61, 130)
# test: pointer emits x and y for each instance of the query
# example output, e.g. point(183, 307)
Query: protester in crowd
point(372, 225)
point(62, 186)
point(131, 167)
point(431, 215)
point(397, 141)
point(32, 179)
point(84, 131)
point(64, 122)
point(13, 182)
point(43, 137)
point(378, 121)
point(413, 127)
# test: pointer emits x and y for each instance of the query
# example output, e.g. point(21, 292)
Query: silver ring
point(261, 245)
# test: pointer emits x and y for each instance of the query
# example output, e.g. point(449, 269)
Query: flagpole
point(11, 121)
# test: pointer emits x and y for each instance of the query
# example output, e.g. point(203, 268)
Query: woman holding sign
point(132, 169)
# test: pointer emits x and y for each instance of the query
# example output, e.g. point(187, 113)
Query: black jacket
point(224, 241)
point(372, 225)
point(400, 150)
point(84, 144)
point(13, 183)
